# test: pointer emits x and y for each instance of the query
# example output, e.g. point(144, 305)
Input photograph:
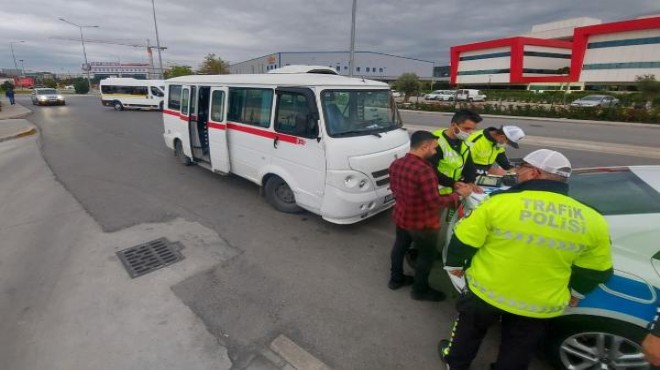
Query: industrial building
point(372, 65)
point(102, 70)
point(581, 51)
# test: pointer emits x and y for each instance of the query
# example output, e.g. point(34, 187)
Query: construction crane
point(110, 42)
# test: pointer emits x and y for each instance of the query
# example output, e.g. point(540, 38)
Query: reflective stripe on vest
point(452, 162)
point(512, 304)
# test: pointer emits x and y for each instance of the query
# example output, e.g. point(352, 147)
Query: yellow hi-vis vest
point(452, 162)
point(483, 151)
point(527, 242)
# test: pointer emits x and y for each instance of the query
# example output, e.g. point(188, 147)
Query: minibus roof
point(275, 79)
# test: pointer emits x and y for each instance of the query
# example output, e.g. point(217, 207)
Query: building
point(102, 70)
point(372, 65)
point(580, 51)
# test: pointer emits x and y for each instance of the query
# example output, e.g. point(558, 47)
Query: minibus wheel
point(280, 195)
point(178, 152)
point(117, 105)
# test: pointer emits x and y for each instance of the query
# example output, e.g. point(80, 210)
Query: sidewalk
point(12, 122)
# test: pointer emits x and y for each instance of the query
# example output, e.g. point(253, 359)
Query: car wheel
point(181, 156)
point(118, 106)
point(588, 342)
point(280, 195)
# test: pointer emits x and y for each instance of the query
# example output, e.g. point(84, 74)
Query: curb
point(295, 355)
point(27, 132)
point(559, 120)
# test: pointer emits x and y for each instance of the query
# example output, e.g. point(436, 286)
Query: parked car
point(433, 95)
point(396, 94)
point(470, 95)
point(604, 330)
point(46, 96)
point(596, 101)
point(447, 95)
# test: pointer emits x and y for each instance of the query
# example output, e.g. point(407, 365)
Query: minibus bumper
point(341, 207)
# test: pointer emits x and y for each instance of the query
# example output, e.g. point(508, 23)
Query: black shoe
point(407, 280)
point(442, 347)
point(429, 295)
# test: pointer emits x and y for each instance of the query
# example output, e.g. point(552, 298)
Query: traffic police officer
point(487, 147)
point(528, 252)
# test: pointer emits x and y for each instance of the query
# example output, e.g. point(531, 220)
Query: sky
point(239, 30)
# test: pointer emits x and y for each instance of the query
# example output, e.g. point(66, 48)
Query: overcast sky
point(238, 30)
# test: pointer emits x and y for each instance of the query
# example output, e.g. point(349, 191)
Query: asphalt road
point(320, 284)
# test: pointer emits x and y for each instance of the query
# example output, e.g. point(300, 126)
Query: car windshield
point(46, 91)
point(614, 192)
point(592, 98)
point(359, 112)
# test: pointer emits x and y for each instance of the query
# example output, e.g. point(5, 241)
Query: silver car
point(46, 96)
point(596, 101)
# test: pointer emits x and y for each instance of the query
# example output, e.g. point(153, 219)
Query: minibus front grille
point(381, 177)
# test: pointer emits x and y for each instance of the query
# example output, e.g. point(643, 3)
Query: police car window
point(615, 193)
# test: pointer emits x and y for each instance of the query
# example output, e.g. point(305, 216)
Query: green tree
point(81, 86)
point(649, 88)
point(407, 83)
point(213, 65)
point(177, 71)
point(50, 83)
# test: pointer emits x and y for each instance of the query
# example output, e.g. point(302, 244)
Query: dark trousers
point(520, 335)
point(11, 99)
point(425, 241)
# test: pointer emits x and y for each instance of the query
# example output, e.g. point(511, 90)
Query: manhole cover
point(150, 256)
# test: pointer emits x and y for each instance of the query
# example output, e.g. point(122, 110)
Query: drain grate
point(150, 256)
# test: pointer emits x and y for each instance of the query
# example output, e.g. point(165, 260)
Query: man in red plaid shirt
point(414, 182)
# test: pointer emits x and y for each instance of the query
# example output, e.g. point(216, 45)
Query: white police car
point(604, 330)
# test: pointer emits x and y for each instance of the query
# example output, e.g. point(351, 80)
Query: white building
point(372, 65)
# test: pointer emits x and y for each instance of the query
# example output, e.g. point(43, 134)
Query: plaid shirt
point(415, 186)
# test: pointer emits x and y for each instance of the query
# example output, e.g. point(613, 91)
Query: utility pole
point(160, 58)
point(82, 39)
point(11, 45)
point(351, 60)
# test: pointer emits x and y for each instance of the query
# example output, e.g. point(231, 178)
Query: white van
point(319, 142)
point(121, 93)
point(470, 95)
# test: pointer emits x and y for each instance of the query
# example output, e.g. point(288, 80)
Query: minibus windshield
point(359, 112)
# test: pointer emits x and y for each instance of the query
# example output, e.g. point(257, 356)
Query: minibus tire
point(160, 106)
point(181, 156)
point(117, 105)
point(280, 195)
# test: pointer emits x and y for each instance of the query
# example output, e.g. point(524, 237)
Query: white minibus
point(318, 142)
point(122, 93)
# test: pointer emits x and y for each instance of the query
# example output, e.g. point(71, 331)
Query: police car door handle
point(275, 142)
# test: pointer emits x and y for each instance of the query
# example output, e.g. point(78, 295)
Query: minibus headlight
point(362, 183)
point(350, 181)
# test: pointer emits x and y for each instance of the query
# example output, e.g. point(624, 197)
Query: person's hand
point(463, 189)
point(651, 348)
point(477, 189)
point(458, 272)
point(574, 302)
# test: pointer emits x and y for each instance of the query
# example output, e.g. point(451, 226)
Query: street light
point(11, 45)
point(82, 39)
point(160, 58)
point(22, 67)
point(351, 60)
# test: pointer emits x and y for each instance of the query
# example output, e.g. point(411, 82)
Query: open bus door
point(217, 130)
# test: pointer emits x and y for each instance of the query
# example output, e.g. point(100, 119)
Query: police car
point(604, 330)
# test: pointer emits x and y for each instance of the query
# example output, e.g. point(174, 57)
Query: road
point(320, 284)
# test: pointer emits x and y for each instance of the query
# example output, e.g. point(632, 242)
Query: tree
point(177, 71)
point(213, 65)
point(50, 83)
point(407, 83)
point(81, 86)
point(649, 88)
point(7, 85)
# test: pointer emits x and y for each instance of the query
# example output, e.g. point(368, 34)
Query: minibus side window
point(156, 91)
point(218, 106)
point(174, 99)
point(250, 106)
point(184, 101)
point(293, 115)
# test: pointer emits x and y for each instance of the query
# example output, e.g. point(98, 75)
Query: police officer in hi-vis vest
point(450, 160)
point(488, 146)
point(526, 254)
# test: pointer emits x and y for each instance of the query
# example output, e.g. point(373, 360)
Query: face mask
point(462, 135)
point(501, 145)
